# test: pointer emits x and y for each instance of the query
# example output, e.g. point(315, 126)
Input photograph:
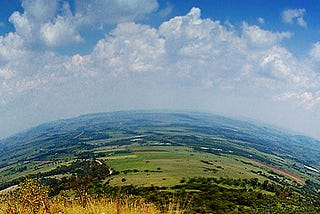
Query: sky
point(247, 58)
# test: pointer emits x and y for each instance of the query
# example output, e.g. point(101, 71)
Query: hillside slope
point(58, 142)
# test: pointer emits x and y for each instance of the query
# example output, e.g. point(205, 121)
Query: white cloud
point(39, 24)
point(40, 10)
point(262, 38)
point(277, 59)
point(292, 16)
point(260, 20)
point(6, 73)
point(52, 24)
point(80, 66)
point(23, 26)
point(189, 26)
point(185, 47)
point(305, 99)
point(197, 50)
point(197, 47)
point(301, 22)
point(315, 51)
point(114, 11)
point(130, 47)
point(61, 31)
point(11, 48)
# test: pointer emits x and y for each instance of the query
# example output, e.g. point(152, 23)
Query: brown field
point(284, 172)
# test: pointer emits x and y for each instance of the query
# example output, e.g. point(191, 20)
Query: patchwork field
point(169, 165)
point(153, 154)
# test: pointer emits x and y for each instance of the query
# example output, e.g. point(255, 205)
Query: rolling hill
point(163, 149)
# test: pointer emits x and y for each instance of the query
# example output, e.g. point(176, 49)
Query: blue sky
point(257, 59)
point(232, 11)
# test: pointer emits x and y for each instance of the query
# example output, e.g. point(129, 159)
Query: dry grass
point(105, 206)
point(32, 198)
point(59, 205)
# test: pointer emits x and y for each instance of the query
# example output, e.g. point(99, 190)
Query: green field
point(154, 154)
point(155, 148)
point(168, 165)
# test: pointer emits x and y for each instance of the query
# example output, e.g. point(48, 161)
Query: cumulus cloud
point(114, 11)
point(11, 48)
point(296, 16)
point(278, 59)
point(197, 47)
point(40, 24)
point(315, 51)
point(206, 53)
point(52, 24)
point(130, 47)
point(262, 38)
point(40, 10)
point(196, 50)
point(61, 31)
point(186, 47)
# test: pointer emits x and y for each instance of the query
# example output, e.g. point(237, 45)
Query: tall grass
point(94, 206)
point(32, 198)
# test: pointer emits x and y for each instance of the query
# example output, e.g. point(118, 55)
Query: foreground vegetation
point(34, 197)
point(197, 195)
point(30, 201)
point(94, 206)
